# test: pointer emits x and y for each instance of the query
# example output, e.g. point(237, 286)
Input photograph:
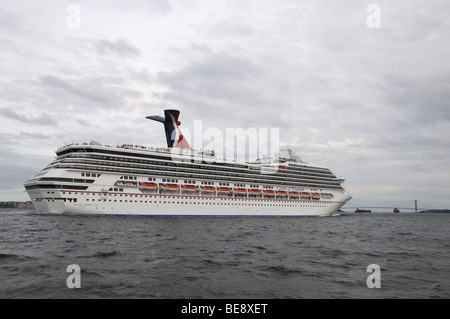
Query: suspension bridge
point(402, 206)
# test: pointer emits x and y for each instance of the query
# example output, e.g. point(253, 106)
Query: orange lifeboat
point(171, 187)
point(282, 193)
point(240, 190)
point(224, 189)
point(316, 195)
point(189, 187)
point(148, 185)
point(293, 193)
point(208, 188)
point(305, 194)
point(268, 192)
point(254, 191)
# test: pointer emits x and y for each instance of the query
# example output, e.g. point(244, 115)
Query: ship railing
point(191, 152)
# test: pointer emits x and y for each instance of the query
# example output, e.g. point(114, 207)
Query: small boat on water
point(396, 210)
point(362, 210)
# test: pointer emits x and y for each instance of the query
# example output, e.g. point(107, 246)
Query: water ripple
point(127, 257)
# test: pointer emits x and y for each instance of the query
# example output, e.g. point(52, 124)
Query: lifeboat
point(305, 194)
point(316, 195)
point(281, 193)
point(254, 191)
point(293, 194)
point(189, 188)
point(268, 192)
point(240, 190)
point(224, 189)
point(148, 185)
point(208, 188)
point(170, 187)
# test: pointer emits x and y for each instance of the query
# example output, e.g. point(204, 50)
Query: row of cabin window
point(129, 177)
point(205, 198)
point(153, 179)
point(91, 174)
point(178, 202)
point(310, 176)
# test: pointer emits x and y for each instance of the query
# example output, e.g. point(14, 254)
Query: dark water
point(224, 257)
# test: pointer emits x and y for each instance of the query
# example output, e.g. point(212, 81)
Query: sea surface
point(225, 257)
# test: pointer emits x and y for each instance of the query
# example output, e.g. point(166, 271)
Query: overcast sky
point(367, 97)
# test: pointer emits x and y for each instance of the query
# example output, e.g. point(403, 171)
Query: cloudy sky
point(365, 92)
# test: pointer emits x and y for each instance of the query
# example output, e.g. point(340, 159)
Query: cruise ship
point(91, 178)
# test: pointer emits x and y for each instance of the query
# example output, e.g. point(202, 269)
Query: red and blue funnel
point(174, 136)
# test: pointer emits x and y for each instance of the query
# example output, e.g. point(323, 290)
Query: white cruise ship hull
point(175, 205)
point(132, 201)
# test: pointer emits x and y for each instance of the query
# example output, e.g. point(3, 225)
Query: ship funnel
point(174, 136)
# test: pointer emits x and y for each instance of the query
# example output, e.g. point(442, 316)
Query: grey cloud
point(142, 75)
point(42, 119)
point(10, 22)
point(424, 100)
point(231, 27)
point(229, 85)
point(152, 7)
point(37, 136)
point(121, 47)
point(84, 91)
point(114, 60)
point(17, 167)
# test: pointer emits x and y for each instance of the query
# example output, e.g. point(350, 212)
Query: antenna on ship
point(174, 136)
point(292, 155)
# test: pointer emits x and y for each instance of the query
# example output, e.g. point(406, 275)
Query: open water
point(224, 257)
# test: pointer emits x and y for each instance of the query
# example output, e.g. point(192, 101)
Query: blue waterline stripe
point(153, 215)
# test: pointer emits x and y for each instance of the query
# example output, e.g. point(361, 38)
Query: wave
point(6, 256)
point(282, 270)
point(105, 254)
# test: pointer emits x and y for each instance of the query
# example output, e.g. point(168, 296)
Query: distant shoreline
point(436, 211)
point(29, 204)
point(14, 204)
